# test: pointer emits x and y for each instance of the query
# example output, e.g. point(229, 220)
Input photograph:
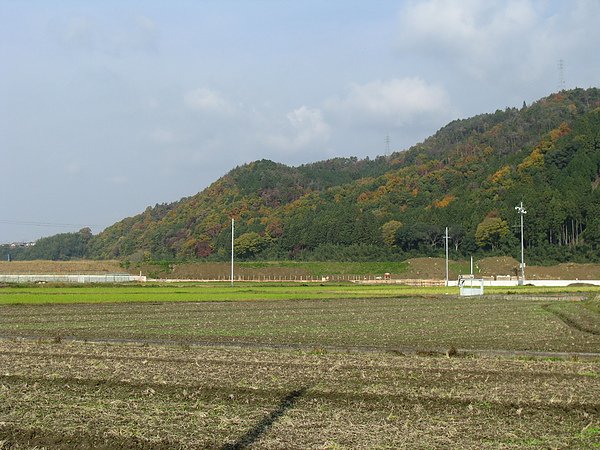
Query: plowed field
point(541, 323)
point(76, 395)
point(337, 373)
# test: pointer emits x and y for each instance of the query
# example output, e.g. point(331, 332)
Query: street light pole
point(232, 239)
point(521, 210)
point(446, 238)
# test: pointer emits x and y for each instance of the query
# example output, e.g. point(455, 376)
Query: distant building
point(21, 244)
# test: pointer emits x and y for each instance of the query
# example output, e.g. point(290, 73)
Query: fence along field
point(328, 373)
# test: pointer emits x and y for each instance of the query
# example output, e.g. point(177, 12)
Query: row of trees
point(60, 247)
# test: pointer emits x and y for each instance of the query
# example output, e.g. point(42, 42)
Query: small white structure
point(470, 286)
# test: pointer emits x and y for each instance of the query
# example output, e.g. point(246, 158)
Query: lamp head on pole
point(520, 209)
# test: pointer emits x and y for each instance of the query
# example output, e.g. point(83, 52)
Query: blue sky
point(111, 106)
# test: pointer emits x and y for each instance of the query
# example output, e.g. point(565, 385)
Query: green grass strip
point(240, 292)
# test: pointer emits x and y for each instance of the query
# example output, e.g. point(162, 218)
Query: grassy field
point(186, 292)
point(201, 292)
point(331, 366)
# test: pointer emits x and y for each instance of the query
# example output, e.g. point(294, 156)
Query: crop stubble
point(61, 393)
point(128, 396)
point(421, 324)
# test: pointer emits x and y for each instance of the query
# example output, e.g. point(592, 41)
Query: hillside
point(468, 176)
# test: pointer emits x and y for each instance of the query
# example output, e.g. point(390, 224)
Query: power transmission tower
point(387, 145)
point(561, 75)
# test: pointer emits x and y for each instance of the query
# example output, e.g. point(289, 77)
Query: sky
point(108, 107)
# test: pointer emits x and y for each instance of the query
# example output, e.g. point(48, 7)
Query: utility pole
point(232, 237)
point(521, 210)
point(446, 239)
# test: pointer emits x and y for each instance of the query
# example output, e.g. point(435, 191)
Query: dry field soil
point(417, 372)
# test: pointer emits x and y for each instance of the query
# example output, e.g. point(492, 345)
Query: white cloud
point(209, 101)
point(476, 34)
point(467, 24)
point(395, 102)
point(498, 40)
point(304, 126)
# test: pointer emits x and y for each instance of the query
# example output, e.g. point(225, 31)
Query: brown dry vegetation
point(216, 270)
point(415, 268)
point(60, 267)
point(498, 265)
point(426, 268)
point(76, 395)
point(506, 265)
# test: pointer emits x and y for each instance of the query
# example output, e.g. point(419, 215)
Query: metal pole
point(232, 237)
point(521, 210)
point(522, 248)
point(446, 256)
point(471, 265)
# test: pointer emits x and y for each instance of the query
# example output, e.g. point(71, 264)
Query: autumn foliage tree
point(249, 244)
point(389, 230)
point(491, 231)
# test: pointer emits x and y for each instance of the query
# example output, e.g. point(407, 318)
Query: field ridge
point(571, 315)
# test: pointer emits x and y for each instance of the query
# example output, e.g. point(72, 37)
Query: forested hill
point(469, 176)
